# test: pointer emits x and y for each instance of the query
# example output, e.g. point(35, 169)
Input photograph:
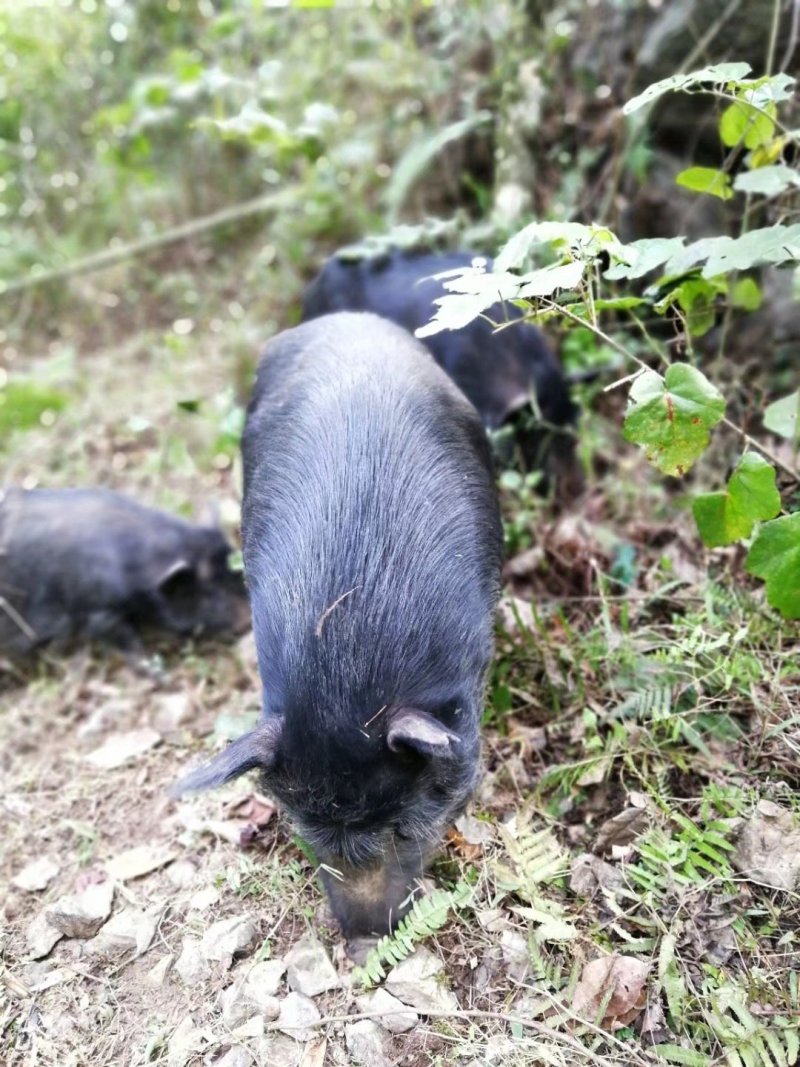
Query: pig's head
point(197, 592)
point(373, 803)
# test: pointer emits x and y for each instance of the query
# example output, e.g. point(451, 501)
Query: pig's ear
point(410, 728)
point(256, 749)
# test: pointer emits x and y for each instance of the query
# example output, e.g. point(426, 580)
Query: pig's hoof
point(358, 948)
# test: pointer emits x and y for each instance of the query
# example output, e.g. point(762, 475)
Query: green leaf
point(418, 158)
point(718, 74)
point(688, 1057)
point(768, 181)
point(746, 294)
point(640, 257)
point(769, 244)
point(706, 180)
point(780, 417)
point(775, 557)
point(23, 403)
point(751, 497)
point(742, 122)
point(671, 417)
point(575, 237)
point(696, 299)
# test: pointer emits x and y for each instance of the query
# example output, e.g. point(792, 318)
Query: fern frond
point(427, 915)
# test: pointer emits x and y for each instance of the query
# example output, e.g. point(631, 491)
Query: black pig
point(90, 563)
point(372, 545)
point(499, 371)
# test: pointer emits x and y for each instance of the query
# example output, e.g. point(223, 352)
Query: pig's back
point(368, 484)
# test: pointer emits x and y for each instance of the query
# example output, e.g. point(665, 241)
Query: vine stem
point(109, 256)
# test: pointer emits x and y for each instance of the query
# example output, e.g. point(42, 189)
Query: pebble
point(296, 1014)
point(119, 748)
point(414, 983)
point(36, 876)
point(263, 981)
point(136, 862)
point(82, 914)
point(236, 1056)
point(228, 938)
point(157, 975)
point(132, 928)
point(191, 965)
point(310, 970)
point(367, 1044)
point(41, 936)
point(379, 1002)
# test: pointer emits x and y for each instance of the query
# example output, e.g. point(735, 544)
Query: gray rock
point(516, 956)
point(187, 1041)
point(278, 1051)
point(297, 1014)
point(82, 914)
point(36, 875)
point(236, 1056)
point(41, 936)
point(310, 970)
point(380, 1002)
point(367, 1044)
point(415, 982)
point(131, 929)
point(263, 980)
point(157, 975)
point(228, 938)
point(191, 966)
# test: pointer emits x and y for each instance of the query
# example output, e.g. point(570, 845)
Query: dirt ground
point(194, 899)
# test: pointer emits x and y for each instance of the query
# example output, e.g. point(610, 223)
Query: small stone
point(119, 748)
point(157, 975)
point(36, 875)
point(380, 1003)
point(367, 1044)
point(279, 1051)
point(137, 862)
point(228, 938)
point(41, 936)
point(310, 970)
point(82, 914)
point(233, 1006)
point(182, 873)
point(474, 831)
point(515, 955)
point(186, 1042)
point(204, 899)
point(174, 709)
point(252, 1027)
point(263, 981)
point(236, 1056)
point(297, 1014)
point(130, 929)
point(414, 983)
point(191, 965)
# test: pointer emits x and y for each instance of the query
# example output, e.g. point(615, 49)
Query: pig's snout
point(368, 903)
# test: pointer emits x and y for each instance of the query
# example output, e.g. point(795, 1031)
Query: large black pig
point(372, 545)
point(499, 371)
point(90, 563)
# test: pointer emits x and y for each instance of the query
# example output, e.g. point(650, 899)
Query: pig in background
point(511, 376)
point(92, 564)
point(372, 544)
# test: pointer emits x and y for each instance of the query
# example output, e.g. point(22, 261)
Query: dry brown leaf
point(618, 982)
point(621, 829)
point(314, 1054)
point(136, 862)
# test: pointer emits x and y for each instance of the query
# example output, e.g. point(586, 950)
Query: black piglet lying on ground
point(500, 372)
point(372, 545)
point(90, 563)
